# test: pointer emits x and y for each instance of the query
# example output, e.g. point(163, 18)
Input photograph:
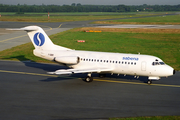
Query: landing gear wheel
point(89, 79)
point(149, 82)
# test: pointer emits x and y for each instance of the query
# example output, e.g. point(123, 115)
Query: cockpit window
point(155, 63)
point(158, 63)
point(162, 63)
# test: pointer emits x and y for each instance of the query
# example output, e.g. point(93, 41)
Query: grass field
point(60, 18)
point(165, 20)
point(65, 17)
point(77, 13)
point(161, 44)
point(88, 13)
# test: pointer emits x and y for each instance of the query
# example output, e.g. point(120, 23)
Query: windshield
point(162, 63)
point(158, 63)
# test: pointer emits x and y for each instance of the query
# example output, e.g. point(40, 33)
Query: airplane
point(89, 62)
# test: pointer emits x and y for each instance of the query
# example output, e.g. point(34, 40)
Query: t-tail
point(40, 39)
point(44, 47)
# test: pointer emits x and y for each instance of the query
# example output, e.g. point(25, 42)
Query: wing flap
point(72, 71)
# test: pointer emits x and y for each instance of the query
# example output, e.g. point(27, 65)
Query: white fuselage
point(98, 62)
point(130, 64)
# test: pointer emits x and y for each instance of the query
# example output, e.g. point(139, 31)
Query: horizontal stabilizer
point(29, 28)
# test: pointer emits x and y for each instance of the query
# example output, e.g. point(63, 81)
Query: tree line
point(87, 8)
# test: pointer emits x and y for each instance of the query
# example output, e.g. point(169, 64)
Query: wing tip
point(51, 73)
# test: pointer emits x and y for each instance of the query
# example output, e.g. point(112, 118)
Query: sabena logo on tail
point(39, 39)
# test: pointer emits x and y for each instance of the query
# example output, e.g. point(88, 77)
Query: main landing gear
point(89, 78)
point(149, 82)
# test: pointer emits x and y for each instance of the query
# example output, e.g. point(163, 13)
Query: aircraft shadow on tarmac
point(108, 77)
point(54, 67)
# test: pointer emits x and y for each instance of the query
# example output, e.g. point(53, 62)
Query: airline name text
point(130, 58)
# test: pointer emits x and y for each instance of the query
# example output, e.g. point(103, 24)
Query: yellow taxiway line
point(26, 73)
point(12, 38)
point(99, 80)
point(59, 25)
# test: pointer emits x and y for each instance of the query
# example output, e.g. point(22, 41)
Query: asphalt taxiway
point(27, 92)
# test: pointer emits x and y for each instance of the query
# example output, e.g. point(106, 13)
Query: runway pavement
point(27, 92)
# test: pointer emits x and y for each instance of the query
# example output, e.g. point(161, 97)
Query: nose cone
point(167, 70)
point(171, 71)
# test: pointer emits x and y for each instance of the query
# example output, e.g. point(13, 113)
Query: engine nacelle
point(68, 59)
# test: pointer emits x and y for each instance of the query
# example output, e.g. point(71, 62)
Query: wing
point(73, 71)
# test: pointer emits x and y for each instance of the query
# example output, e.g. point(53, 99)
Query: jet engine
point(68, 59)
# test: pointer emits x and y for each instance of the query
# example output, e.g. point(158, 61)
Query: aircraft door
point(143, 66)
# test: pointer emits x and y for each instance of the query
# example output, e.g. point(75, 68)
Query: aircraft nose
point(174, 72)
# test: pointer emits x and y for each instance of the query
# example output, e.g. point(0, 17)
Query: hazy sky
point(91, 2)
